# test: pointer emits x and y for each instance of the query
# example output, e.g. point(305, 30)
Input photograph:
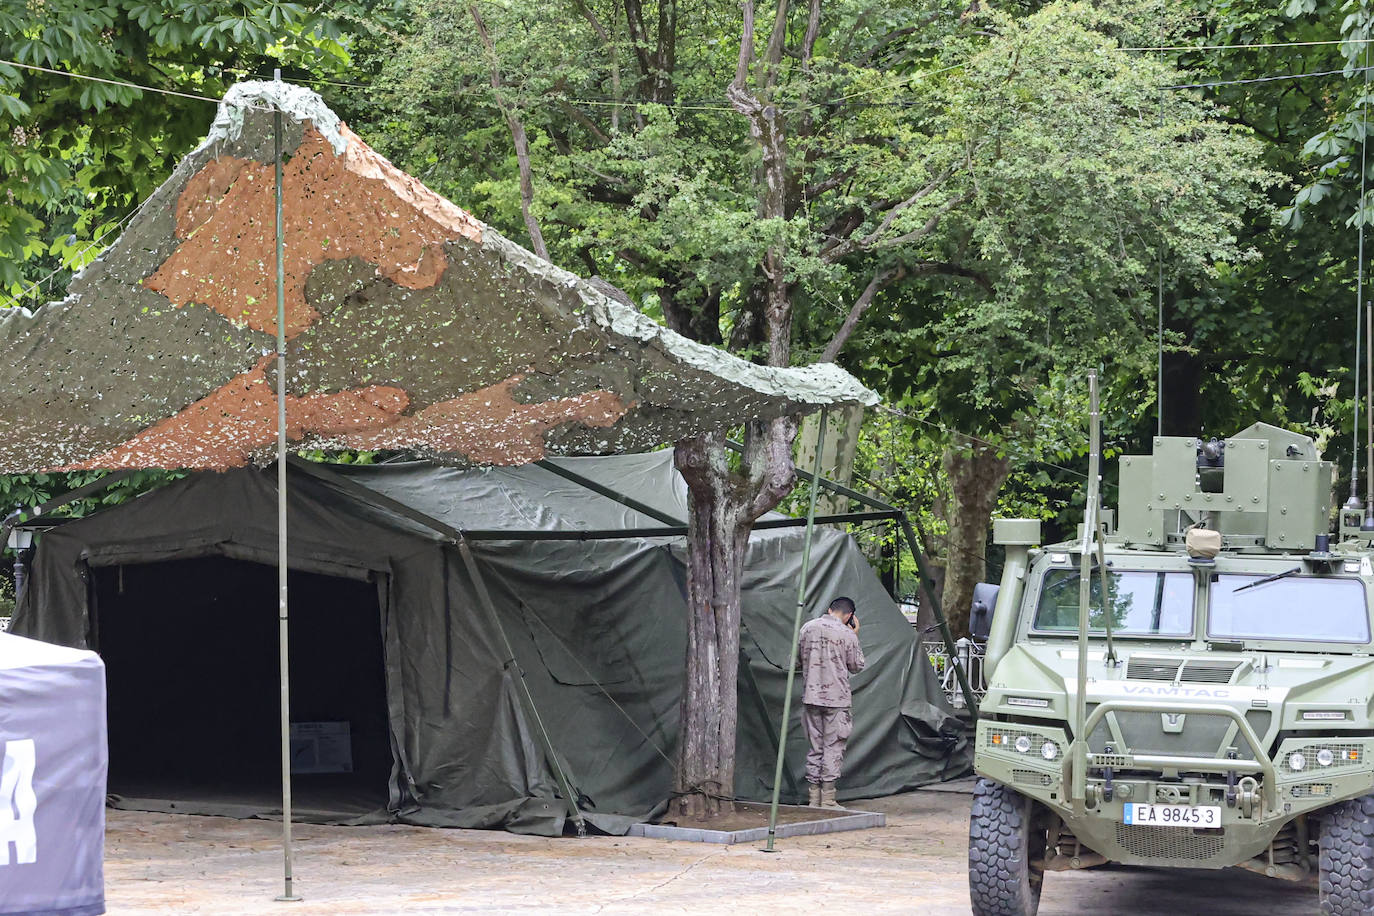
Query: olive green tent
point(405, 698)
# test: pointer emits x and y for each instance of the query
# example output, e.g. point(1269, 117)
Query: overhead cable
point(124, 83)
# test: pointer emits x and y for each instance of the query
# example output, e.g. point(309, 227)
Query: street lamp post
point(21, 542)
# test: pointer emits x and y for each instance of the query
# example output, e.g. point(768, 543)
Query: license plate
point(1172, 815)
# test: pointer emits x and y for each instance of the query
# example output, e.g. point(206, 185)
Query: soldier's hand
point(854, 622)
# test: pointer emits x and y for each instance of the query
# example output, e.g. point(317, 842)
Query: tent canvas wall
point(164, 587)
point(52, 779)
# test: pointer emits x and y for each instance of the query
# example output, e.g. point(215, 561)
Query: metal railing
point(969, 656)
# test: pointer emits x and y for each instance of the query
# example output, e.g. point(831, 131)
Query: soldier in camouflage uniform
point(828, 654)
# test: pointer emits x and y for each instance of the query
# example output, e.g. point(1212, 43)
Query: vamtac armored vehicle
point(1223, 645)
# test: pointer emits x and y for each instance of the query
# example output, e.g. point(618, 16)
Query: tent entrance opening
point(190, 647)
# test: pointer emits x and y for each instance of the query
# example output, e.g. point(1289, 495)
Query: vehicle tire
point(1005, 849)
point(1346, 861)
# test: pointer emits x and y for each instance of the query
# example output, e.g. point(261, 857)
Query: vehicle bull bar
point(1078, 779)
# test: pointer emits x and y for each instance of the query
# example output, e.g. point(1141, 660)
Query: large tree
point(1083, 179)
point(769, 179)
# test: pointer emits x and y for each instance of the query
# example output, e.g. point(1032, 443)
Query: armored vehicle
point(1221, 637)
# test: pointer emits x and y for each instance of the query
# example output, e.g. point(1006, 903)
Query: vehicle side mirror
point(981, 611)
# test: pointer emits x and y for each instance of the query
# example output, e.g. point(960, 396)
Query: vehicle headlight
point(1049, 750)
point(1325, 757)
point(1023, 744)
point(1296, 761)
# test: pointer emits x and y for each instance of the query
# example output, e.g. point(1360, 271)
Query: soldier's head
point(841, 608)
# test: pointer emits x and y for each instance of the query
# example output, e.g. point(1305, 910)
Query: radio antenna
point(1360, 331)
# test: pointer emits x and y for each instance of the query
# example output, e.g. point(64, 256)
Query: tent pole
point(479, 584)
point(283, 617)
point(796, 634)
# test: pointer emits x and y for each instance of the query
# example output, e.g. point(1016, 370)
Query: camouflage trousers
point(827, 728)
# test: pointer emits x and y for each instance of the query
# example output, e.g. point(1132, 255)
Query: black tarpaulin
point(598, 629)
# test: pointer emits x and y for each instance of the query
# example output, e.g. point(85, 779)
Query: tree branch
point(833, 254)
point(746, 52)
point(517, 133)
point(813, 29)
point(609, 42)
point(880, 279)
point(776, 44)
point(581, 117)
point(930, 224)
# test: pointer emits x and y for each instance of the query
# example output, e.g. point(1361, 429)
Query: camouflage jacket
point(828, 654)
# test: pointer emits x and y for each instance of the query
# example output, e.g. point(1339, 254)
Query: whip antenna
point(1354, 501)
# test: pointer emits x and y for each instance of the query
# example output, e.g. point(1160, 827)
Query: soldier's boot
point(813, 795)
point(828, 796)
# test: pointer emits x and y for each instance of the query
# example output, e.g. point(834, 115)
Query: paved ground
point(159, 863)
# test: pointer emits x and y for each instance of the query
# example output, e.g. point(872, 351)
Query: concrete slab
point(854, 820)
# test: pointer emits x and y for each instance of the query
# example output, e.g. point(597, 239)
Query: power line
point(954, 432)
point(125, 83)
point(1266, 79)
point(1246, 47)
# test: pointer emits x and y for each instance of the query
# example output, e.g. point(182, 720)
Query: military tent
point(406, 700)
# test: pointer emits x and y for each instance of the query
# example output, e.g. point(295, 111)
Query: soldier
point(828, 654)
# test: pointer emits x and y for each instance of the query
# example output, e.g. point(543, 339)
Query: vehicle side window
point(1140, 602)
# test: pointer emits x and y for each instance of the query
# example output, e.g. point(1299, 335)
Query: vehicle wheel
point(1346, 866)
point(1005, 852)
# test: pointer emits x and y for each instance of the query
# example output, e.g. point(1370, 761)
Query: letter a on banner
point(17, 803)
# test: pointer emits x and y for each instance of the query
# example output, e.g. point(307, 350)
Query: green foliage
point(77, 155)
point(1080, 173)
point(27, 491)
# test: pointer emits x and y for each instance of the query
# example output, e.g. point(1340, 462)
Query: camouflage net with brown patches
point(411, 325)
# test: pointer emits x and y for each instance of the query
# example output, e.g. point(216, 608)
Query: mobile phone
point(849, 621)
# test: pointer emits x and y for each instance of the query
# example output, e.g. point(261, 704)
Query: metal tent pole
point(796, 635)
point(1078, 750)
point(283, 617)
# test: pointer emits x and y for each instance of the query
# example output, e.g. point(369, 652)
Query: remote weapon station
point(1191, 686)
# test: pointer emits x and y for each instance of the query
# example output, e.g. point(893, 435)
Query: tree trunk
point(717, 538)
point(976, 474)
point(724, 502)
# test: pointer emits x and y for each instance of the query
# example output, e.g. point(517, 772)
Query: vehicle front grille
point(1313, 790)
point(1202, 735)
point(1151, 669)
point(1169, 842)
point(1209, 672)
point(1194, 671)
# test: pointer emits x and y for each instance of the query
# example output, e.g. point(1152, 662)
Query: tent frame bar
point(382, 501)
point(589, 484)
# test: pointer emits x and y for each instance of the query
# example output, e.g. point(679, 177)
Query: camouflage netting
point(410, 325)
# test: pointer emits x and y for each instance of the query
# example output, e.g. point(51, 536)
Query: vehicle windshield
point(1141, 603)
point(1299, 608)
